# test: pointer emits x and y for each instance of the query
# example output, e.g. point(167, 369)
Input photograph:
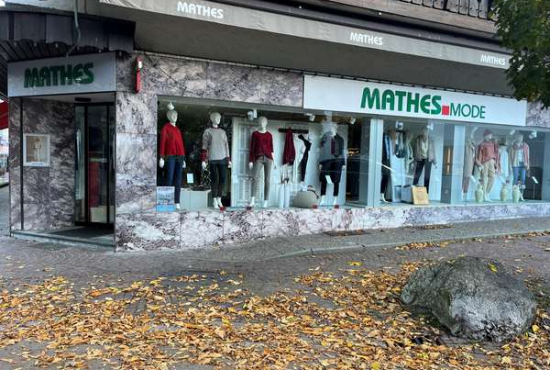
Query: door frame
point(110, 158)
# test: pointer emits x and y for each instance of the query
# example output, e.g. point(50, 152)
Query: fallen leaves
point(347, 320)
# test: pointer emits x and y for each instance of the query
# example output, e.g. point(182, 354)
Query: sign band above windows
point(311, 29)
point(333, 94)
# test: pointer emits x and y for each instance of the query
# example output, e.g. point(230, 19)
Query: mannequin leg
point(384, 187)
point(465, 184)
point(222, 173)
point(215, 180)
point(256, 172)
point(177, 180)
point(491, 173)
point(418, 171)
point(268, 164)
point(170, 167)
point(427, 175)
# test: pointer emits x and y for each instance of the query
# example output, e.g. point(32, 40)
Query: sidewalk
point(289, 302)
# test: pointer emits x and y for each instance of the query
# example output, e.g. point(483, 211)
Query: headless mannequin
point(215, 119)
point(331, 131)
point(172, 116)
point(489, 163)
point(262, 122)
point(424, 157)
point(520, 166)
point(469, 163)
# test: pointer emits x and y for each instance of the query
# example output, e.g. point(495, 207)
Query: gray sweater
point(214, 142)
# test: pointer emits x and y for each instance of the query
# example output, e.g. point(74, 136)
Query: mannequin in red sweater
point(173, 151)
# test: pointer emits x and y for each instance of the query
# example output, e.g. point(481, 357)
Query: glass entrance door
point(94, 187)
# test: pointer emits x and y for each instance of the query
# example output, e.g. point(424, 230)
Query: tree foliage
point(524, 27)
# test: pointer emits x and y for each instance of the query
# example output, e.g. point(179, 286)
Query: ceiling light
point(352, 120)
point(310, 116)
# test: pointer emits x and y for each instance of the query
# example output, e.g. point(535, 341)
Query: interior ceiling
point(90, 98)
point(208, 40)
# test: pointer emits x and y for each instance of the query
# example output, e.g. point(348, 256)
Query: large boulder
point(474, 298)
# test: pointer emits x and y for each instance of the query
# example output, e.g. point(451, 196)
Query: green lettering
point(400, 97)
point(55, 74)
point(66, 75)
point(77, 73)
point(482, 112)
point(436, 102)
point(32, 78)
point(370, 99)
point(413, 102)
point(425, 103)
point(388, 99)
point(455, 110)
point(89, 76)
point(45, 79)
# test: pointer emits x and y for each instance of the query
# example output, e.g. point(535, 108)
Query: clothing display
point(289, 152)
point(504, 161)
point(261, 144)
point(386, 154)
point(262, 164)
point(488, 175)
point(215, 146)
point(520, 174)
point(424, 149)
point(487, 150)
point(333, 169)
point(305, 157)
point(171, 141)
point(425, 165)
point(218, 177)
point(520, 154)
point(400, 144)
point(174, 165)
point(469, 164)
point(331, 147)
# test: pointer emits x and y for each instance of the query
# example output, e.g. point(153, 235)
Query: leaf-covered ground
point(350, 319)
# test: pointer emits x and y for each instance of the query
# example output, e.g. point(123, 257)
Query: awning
point(3, 115)
point(259, 20)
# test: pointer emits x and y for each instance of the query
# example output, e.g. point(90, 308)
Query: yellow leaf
point(535, 328)
point(506, 360)
point(354, 263)
point(493, 268)
point(375, 366)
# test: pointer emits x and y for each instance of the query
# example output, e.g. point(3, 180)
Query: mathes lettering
point(200, 10)
point(367, 39)
point(60, 75)
point(493, 60)
point(405, 101)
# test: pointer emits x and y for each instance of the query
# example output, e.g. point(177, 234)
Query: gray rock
point(474, 298)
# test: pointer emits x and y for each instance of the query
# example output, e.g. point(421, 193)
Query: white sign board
point(88, 73)
point(334, 94)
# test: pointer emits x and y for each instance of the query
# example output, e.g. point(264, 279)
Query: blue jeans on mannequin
point(174, 165)
point(520, 173)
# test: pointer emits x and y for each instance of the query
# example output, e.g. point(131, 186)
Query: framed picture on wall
point(36, 150)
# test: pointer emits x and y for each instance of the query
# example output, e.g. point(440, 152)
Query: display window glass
point(462, 163)
point(230, 156)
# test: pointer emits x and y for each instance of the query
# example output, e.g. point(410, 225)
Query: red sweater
point(261, 144)
point(171, 141)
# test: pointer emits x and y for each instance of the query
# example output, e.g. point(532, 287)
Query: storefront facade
point(366, 142)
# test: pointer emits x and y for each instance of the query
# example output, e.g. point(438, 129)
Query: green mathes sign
point(375, 99)
point(78, 74)
point(59, 75)
point(399, 101)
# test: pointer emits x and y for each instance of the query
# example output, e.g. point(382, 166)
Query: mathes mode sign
point(78, 74)
point(324, 93)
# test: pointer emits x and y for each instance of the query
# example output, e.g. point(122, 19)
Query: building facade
point(370, 124)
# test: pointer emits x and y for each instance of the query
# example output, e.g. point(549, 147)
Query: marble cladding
point(537, 116)
point(172, 76)
point(48, 192)
point(189, 230)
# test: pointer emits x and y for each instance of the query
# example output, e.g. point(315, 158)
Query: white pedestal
point(190, 200)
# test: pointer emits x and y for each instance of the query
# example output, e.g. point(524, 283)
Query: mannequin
point(261, 160)
point(469, 162)
point(424, 155)
point(215, 148)
point(331, 161)
point(520, 161)
point(488, 160)
point(172, 149)
point(387, 151)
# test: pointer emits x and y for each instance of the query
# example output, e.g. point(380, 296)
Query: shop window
point(244, 156)
point(462, 163)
